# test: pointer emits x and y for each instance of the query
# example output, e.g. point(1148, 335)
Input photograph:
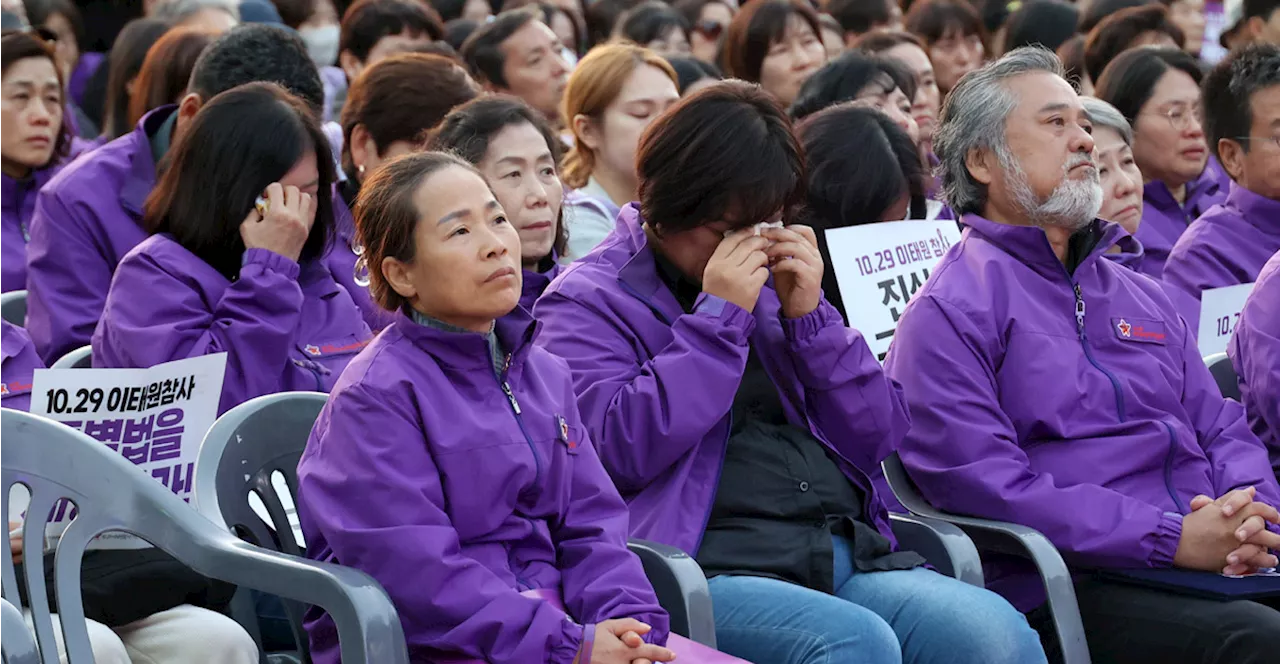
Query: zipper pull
point(506, 389)
point(1079, 310)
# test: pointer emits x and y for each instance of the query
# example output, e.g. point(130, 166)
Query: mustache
point(1080, 159)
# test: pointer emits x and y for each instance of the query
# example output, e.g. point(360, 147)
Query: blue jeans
point(916, 616)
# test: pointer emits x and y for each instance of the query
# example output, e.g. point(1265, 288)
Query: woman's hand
point(619, 642)
point(286, 224)
point(797, 268)
point(15, 541)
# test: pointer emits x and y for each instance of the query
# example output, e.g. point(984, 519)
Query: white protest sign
point(1219, 312)
point(880, 266)
point(155, 418)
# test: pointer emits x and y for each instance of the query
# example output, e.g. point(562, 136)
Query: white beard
point(1071, 205)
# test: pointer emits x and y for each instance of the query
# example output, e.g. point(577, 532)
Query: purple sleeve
point(373, 491)
point(645, 414)
point(847, 395)
point(963, 452)
point(601, 578)
point(1255, 353)
point(67, 279)
point(155, 316)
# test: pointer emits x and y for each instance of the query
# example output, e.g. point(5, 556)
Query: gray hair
point(1102, 114)
point(974, 118)
point(177, 11)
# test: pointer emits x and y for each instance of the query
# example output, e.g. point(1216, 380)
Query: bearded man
point(1050, 387)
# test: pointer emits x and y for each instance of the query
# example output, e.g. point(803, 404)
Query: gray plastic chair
point(13, 307)
point(54, 461)
point(80, 358)
point(943, 545)
point(1013, 539)
point(18, 646)
point(1224, 374)
point(260, 437)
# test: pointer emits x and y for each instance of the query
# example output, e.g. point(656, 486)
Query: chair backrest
point(1224, 375)
point(80, 358)
point(242, 452)
point(55, 462)
point(13, 307)
point(18, 647)
point(895, 474)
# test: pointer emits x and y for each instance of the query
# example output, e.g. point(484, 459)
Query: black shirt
point(781, 496)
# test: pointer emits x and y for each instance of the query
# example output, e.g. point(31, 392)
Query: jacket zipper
point(1115, 385)
point(316, 370)
point(515, 411)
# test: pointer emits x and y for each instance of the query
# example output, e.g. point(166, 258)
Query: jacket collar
point(639, 274)
point(14, 189)
point(1030, 246)
point(1207, 184)
point(1258, 211)
point(515, 331)
point(142, 166)
point(1128, 252)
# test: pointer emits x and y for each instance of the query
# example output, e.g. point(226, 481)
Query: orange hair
point(595, 83)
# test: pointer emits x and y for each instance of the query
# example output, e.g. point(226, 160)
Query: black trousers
point(1126, 624)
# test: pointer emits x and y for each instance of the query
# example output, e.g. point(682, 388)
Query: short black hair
point(1115, 35)
point(931, 20)
point(1100, 9)
point(690, 70)
point(483, 49)
point(449, 10)
point(602, 16)
point(457, 31)
point(258, 52)
point(1228, 92)
point(1262, 9)
point(39, 12)
point(726, 152)
point(755, 29)
point(843, 78)
point(859, 16)
point(221, 163)
point(469, 128)
point(649, 21)
point(368, 22)
point(1129, 81)
point(1049, 23)
point(860, 163)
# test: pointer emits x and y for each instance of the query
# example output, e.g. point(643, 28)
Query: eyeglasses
point(709, 29)
point(1264, 139)
point(1180, 117)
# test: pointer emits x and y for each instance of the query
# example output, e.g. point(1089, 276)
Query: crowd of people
point(562, 268)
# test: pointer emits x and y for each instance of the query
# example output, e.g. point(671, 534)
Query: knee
point(224, 640)
point(983, 628)
point(106, 644)
point(860, 636)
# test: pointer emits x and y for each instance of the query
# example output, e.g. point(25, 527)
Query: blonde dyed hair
point(595, 83)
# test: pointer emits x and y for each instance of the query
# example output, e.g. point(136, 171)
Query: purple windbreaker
point(535, 283)
point(1227, 245)
point(1164, 220)
point(1255, 353)
point(1094, 426)
point(18, 365)
point(456, 516)
point(17, 204)
point(283, 327)
point(656, 385)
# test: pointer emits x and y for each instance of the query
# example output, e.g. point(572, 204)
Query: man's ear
point(978, 161)
point(1231, 155)
point(187, 109)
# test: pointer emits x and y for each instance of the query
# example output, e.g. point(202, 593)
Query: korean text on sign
point(880, 266)
point(156, 418)
point(1219, 312)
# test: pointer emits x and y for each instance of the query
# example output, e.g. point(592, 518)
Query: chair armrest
point(681, 588)
point(1024, 542)
point(944, 545)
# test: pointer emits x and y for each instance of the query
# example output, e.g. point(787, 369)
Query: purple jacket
point(1227, 245)
point(283, 327)
point(86, 219)
point(17, 203)
point(535, 283)
point(18, 365)
point(1164, 220)
point(656, 385)
point(80, 75)
point(1255, 353)
point(456, 517)
point(1096, 427)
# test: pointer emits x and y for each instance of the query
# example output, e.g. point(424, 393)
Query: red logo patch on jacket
point(1142, 330)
